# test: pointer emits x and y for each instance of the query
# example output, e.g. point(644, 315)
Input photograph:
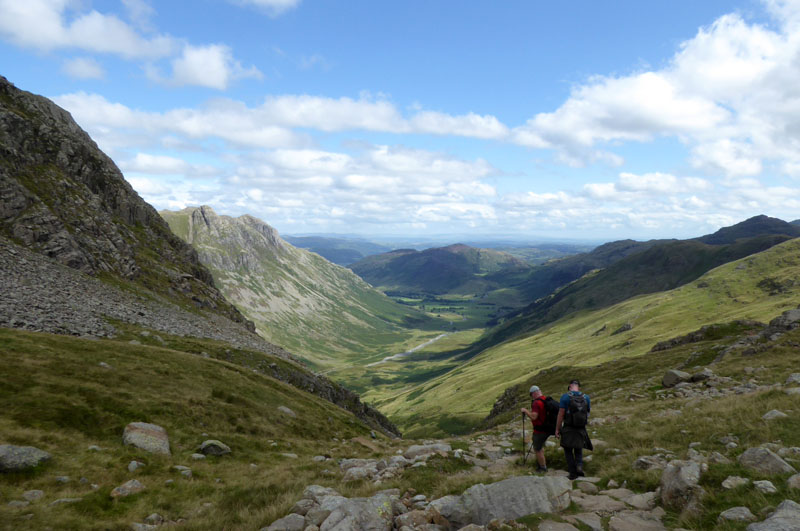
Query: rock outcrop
point(64, 198)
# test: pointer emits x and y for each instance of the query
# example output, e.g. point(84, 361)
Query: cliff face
point(64, 198)
point(319, 311)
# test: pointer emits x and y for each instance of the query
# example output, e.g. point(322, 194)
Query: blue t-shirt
point(564, 402)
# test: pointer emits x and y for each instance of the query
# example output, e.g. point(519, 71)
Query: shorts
point(539, 439)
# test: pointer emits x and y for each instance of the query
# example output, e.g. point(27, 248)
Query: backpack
point(578, 412)
point(548, 423)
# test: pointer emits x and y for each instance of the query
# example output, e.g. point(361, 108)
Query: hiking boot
point(541, 469)
point(572, 476)
point(580, 472)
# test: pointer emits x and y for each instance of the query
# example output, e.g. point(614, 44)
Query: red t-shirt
point(537, 406)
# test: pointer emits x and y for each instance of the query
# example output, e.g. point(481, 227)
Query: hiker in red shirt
point(538, 416)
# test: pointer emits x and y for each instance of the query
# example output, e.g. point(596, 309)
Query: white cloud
point(211, 66)
point(728, 94)
point(271, 7)
point(45, 25)
point(41, 24)
point(83, 68)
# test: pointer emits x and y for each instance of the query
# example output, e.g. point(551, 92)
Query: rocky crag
point(61, 196)
point(296, 298)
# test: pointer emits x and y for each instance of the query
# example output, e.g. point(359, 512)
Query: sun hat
point(534, 388)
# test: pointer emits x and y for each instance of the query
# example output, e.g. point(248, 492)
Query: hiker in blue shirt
point(573, 415)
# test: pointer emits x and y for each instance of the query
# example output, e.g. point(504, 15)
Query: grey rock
point(370, 514)
point(64, 501)
point(786, 320)
point(549, 525)
point(18, 503)
point(717, 458)
point(289, 455)
point(736, 514)
point(63, 479)
point(774, 414)
point(591, 520)
point(587, 487)
point(785, 518)
point(635, 521)
point(285, 410)
point(214, 447)
point(508, 499)
point(417, 450)
point(649, 462)
point(134, 465)
point(732, 482)
point(198, 457)
point(33, 495)
point(792, 391)
point(317, 492)
point(793, 482)
point(302, 506)
point(599, 503)
point(94, 448)
point(21, 458)
point(701, 376)
point(765, 487)
point(793, 379)
point(154, 519)
point(126, 489)
point(138, 526)
point(679, 484)
point(148, 437)
point(765, 461)
point(292, 522)
point(673, 377)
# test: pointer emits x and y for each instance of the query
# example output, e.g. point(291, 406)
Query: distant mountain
point(755, 226)
point(64, 198)
point(297, 299)
point(651, 267)
point(795, 222)
point(342, 251)
point(439, 270)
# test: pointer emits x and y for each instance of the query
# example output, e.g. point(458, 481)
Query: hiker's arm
point(559, 420)
point(533, 415)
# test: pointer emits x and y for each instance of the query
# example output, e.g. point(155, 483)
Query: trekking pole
point(523, 438)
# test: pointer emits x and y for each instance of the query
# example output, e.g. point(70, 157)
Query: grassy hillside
point(757, 287)
point(55, 395)
point(660, 267)
point(322, 312)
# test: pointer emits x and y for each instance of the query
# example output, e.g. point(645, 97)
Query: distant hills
point(649, 267)
point(439, 270)
point(340, 251)
point(320, 311)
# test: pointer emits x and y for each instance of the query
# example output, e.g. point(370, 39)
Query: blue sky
point(592, 120)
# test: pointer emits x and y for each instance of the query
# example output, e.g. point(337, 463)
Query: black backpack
point(578, 411)
point(548, 425)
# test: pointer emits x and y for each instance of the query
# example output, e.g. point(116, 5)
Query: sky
point(524, 118)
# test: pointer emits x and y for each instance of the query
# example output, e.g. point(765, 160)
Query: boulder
point(214, 447)
point(549, 525)
point(793, 482)
point(774, 414)
point(736, 514)
point(679, 484)
point(590, 520)
point(793, 379)
point(20, 458)
point(731, 482)
point(635, 521)
point(717, 458)
point(673, 377)
point(127, 488)
point(648, 462)
point(765, 487)
point(370, 514)
point(424, 449)
point(508, 499)
point(292, 522)
point(785, 518)
point(148, 437)
point(787, 320)
point(765, 461)
point(600, 503)
point(286, 411)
